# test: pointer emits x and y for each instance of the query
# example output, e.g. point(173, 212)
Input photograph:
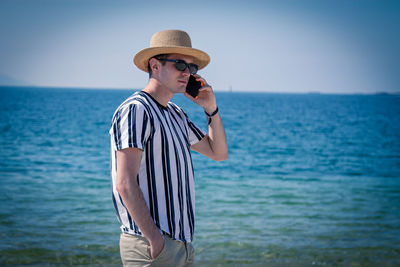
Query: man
point(151, 139)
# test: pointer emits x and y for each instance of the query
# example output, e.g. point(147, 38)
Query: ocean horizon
point(229, 90)
point(312, 179)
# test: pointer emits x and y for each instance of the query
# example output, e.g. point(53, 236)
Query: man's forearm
point(217, 137)
point(128, 165)
point(137, 208)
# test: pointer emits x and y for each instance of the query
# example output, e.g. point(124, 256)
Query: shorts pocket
point(133, 247)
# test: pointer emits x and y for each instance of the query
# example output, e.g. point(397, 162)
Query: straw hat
point(170, 42)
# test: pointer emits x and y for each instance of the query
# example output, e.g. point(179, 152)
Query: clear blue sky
point(275, 46)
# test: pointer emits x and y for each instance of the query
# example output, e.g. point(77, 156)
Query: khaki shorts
point(135, 252)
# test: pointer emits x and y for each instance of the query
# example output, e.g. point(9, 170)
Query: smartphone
point(193, 86)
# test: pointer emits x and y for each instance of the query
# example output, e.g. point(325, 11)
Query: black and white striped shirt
point(166, 179)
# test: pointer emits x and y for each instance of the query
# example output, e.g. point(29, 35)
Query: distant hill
point(7, 80)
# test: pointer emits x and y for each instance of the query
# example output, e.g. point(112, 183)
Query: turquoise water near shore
point(311, 180)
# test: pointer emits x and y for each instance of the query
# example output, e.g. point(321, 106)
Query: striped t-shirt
point(165, 177)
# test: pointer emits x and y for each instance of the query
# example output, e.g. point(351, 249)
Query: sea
point(311, 180)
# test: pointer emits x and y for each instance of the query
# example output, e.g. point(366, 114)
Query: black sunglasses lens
point(180, 65)
point(193, 68)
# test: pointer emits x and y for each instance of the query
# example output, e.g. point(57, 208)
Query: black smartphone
point(193, 86)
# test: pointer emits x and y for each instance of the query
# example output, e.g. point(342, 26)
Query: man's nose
point(186, 72)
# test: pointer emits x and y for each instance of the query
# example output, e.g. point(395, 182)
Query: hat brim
point(141, 59)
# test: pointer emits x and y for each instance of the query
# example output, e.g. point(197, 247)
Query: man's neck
point(156, 90)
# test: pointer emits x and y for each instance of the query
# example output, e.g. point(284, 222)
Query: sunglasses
point(181, 65)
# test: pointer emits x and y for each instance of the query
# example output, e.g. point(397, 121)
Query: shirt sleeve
point(195, 134)
point(130, 127)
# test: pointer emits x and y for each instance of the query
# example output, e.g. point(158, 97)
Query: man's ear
point(154, 64)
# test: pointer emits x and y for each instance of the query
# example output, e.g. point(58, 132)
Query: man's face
point(172, 79)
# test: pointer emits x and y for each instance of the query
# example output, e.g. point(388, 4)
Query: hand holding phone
point(193, 86)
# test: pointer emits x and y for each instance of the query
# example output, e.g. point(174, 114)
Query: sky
point(286, 46)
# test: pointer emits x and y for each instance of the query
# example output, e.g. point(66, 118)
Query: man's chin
point(181, 89)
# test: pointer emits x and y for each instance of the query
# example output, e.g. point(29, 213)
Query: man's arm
point(128, 164)
point(214, 145)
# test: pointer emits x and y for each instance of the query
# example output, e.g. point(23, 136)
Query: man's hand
point(206, 97)
point(156, 246)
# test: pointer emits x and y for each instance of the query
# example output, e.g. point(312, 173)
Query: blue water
point(311, 180)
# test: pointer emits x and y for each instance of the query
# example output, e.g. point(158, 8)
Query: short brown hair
point(160, 56)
